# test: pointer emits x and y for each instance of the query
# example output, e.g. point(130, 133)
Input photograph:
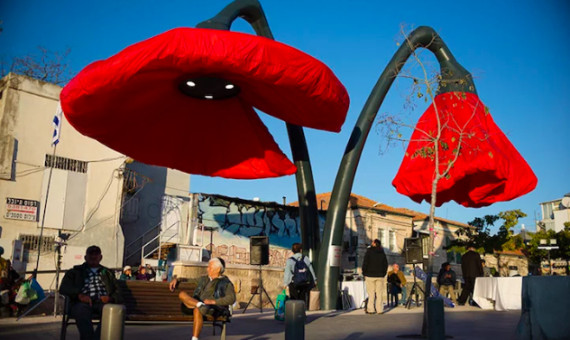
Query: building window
point(380, 236)
point(392, 240)
point(425, 245)
point(31, 245)
point(64, 163)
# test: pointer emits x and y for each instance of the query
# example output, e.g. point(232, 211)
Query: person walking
point(374, 269)
point(299, 275)
point(471, 268)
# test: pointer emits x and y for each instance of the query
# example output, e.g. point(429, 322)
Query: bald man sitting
point(212, 296)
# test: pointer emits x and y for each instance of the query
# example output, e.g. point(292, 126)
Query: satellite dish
point(566, 202)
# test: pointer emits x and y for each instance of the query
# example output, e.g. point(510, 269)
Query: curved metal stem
point(251, 11)
point(454, 78)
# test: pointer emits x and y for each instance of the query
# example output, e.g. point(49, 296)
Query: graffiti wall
point(225, 225)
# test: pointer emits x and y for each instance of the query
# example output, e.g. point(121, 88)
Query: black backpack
point(301, 273)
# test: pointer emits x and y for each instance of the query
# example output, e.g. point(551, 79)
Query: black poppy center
point(208, 88)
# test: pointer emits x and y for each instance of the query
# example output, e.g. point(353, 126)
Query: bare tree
point(437, 146)
point(46, 65)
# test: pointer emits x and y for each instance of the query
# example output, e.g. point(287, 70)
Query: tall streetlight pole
point(251, 11)
point(454, 78)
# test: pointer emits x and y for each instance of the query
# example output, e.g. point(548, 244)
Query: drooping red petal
point(131, 102)
point(489, 169)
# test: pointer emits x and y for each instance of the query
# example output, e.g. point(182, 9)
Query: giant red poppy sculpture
point(493, 172)
point(481, 165)
point(185, 99)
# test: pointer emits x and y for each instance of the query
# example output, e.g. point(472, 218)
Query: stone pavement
point(461, 323)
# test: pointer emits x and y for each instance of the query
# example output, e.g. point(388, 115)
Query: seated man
point(90, 286)
point(397, 282)
point(446, 281)
point(212, 296)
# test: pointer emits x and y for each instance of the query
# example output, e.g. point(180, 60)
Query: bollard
point(295, 320)
point(436, 319)
point(113, 322)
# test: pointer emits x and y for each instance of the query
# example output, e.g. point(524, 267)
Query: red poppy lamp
point(494, 171)
point(487, 168)
point(185, 99)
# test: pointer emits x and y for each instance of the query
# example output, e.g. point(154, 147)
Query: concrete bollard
point(113, 322)
point(295, 320)
point(436, 319)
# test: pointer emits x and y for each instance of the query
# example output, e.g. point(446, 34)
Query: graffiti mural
point(226, 224)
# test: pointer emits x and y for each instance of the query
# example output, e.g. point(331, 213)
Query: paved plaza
point(461, 323)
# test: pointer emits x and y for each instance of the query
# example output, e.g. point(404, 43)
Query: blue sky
point(517, 50)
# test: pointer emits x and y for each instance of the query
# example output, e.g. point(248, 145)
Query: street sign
point(22, 209)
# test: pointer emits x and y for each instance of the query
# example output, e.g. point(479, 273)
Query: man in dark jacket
point(90, 286)
point(374, 268)
point(446, 281)
point(212, 296)
point(471, 268)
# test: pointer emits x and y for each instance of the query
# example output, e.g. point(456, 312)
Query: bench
point(149, 302)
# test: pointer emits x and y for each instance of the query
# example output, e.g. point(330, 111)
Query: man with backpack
point(299, 275)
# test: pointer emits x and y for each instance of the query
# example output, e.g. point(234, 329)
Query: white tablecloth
point(356, 291)
point(506, 292)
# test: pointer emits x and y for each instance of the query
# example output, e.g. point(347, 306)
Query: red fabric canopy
point(489, 169)
point(131, 102)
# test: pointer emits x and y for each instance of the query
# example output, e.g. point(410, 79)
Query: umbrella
point(488, 169)
point(185, 99)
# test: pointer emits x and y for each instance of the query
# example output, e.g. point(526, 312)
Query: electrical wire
point(108, 218)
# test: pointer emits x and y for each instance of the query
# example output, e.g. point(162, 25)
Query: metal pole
point(260, 290)
point(57, 269)
point(295, 320)
point(454, 76)
point(113, 322)
point(44, 212)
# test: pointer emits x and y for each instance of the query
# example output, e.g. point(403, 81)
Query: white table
point(356, 291)
point(505, 292)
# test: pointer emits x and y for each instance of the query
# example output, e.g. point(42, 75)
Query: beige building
point(555, 213)
point(367, 220)
point(96, 195)
point(84, 187)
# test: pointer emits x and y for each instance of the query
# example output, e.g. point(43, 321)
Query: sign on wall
point(335, 256)
point(22, 209)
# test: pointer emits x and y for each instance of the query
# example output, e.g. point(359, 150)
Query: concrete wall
point(27, 109)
